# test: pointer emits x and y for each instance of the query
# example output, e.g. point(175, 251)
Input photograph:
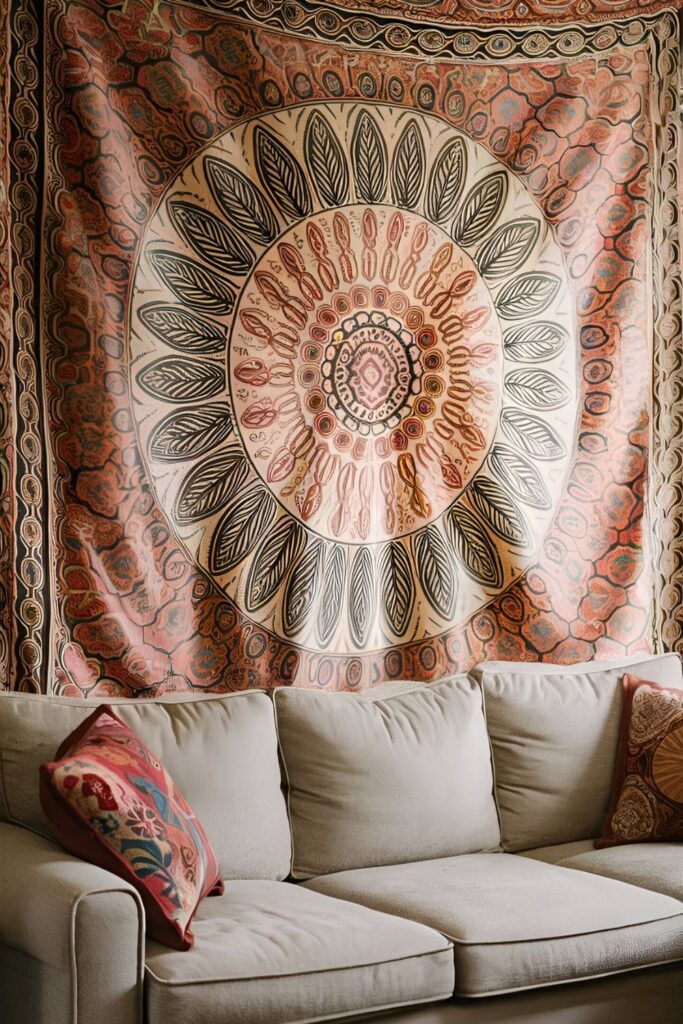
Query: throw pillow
point(647, 799)
point(111, 802)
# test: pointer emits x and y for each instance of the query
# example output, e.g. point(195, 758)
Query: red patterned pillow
point(647, 799)
point(112, 803)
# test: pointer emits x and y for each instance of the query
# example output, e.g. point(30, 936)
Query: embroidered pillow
point(647, 799)
point(112, 803)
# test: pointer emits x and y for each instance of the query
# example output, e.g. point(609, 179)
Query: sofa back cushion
point(397, 773)
point(220, 750)
point(554, 731)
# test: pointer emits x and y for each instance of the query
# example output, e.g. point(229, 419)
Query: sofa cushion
point(398, 773)
point(655, 866)
point(517, 923)
point(274, 952)
point(647, 795)
point(221, 751)
point(554, 854)
point(112, 803)
point(554, 732)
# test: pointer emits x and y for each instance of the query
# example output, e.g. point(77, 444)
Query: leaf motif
point(397, 586)
point(331, 600)
point(276, 554)
point(408, 167)
point(473, 547)
point(239, 531)
point(533, 342)
point(302, 588)
point(210, 238)
point(281, 175)
point(532, 435)
point(193, 284)
point(191, 432)
point(210, 486)
point(446, 181)
point(527, 295)
point(326, 161)
point(182, 330)
point(499, 510)
point(507, 249)
point(481, 208)
point(177, 379)
point(519, 476)
point(435, 570)
point(240, 201)
point(361, 597)
point(537, 388)
point(369, 153)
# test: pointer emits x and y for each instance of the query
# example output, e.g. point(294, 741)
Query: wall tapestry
point(341, 342)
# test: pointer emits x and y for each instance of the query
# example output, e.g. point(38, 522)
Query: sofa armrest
point(73, 921)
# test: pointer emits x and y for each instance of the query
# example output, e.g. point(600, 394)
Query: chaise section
point(518, 923)
point(269, 953)
point(655, 866)
point(71, 937)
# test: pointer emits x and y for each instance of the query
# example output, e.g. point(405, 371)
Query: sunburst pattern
point(346, 353)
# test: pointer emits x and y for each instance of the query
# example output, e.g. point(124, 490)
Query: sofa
point(420, 852)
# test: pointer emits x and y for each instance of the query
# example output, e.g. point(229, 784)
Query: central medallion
point(369, 377)
point(350, 356)
point(371, 371)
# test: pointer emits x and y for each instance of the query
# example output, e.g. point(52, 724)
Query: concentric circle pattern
point(354, 372)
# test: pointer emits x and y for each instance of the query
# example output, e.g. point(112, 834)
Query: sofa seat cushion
point(517, 923)
point(655, 866)
point(274, 952)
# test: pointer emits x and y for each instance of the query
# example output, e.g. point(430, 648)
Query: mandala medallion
point(354, 372)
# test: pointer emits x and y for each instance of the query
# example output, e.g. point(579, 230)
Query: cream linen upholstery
point(221, 750)
point(655, 866)
point(517, 923)
point(386, 776)
point(554, 732)
point(269, 953)
point(554, 854)
point(82, 929)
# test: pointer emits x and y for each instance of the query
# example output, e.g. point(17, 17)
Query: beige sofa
point(425, 852)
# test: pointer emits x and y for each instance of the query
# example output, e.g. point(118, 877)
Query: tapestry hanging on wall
point(341, 342)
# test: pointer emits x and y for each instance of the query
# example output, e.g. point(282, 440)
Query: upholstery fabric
point(656, 866)
point(647, 795)
point(82, 927)
point(379, 778)
point(328, 351)
point(554, 735)
point(114, 804)
point(517, 923)
point(221, 751)
point(267, 953)
point(560, 851)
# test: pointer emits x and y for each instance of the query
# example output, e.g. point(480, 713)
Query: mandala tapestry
point(341, 341)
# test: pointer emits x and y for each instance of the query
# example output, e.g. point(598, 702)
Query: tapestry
point(341, 342)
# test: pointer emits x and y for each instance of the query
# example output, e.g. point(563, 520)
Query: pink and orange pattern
point(647, 802)
point(111, 802)
point(345, 343)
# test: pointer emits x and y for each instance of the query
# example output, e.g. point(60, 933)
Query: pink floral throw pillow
point(112, 803)
point(647, 799)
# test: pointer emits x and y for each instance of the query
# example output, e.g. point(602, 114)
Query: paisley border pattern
point(28, 660)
